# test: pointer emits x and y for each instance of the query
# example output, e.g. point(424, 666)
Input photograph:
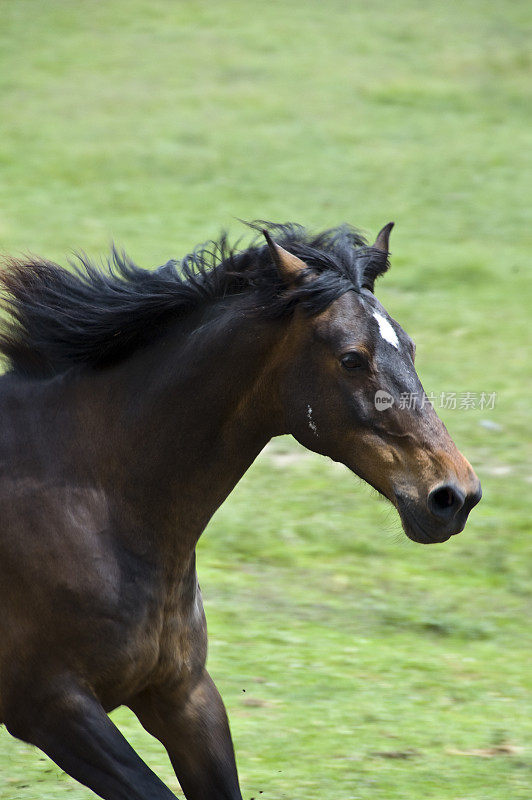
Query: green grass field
point(354, 663)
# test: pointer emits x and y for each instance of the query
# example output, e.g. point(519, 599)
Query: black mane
point(89, 316)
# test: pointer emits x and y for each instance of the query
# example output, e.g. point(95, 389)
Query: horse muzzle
point(442, 514)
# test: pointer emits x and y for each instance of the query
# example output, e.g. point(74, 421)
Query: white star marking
point(386, 330)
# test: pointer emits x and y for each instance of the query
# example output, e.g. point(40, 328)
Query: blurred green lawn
point(354, 663)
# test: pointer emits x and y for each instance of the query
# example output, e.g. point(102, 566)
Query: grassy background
point(372, 667)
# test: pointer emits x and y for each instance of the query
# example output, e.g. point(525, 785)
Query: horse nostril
point(445, 501)
point(474, 498)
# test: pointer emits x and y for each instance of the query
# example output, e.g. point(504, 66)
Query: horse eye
point(352, 361)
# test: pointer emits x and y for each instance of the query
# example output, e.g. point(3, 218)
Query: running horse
point(133, 402)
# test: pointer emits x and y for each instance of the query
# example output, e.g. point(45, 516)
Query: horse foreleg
point(195, 732)
point(72, 728)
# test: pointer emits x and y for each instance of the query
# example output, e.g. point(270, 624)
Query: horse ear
point(383, 238)
point(375, 264)
point(290, 267)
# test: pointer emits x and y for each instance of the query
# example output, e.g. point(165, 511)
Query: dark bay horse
point(134, 402)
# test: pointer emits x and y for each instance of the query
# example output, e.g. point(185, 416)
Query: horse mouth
point(417, 531)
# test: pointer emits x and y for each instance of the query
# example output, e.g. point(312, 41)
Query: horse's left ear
point(373, 264)
point(290, 267)
point(383, 238)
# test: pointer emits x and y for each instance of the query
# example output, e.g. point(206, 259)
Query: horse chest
point(168, 647)
point(182, 638)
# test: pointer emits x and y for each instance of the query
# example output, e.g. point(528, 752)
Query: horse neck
point(178, 424)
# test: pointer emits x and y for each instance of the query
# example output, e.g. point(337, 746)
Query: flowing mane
point(93, 316)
